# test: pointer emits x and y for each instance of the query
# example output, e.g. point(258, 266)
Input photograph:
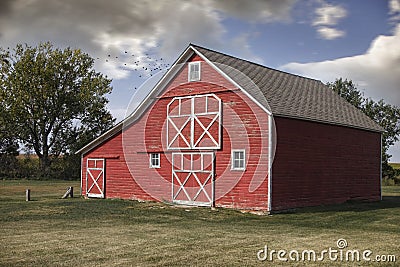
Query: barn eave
point(142, 107)
point(270, 93)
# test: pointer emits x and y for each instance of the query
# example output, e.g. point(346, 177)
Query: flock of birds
point(145, 65)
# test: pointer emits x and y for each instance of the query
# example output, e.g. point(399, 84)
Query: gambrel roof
point(279, 93)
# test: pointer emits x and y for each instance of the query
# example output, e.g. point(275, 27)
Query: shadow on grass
point(387, 202)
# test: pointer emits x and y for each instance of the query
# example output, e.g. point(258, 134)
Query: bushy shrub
point(9, 166)
point(28, 167)
point(65, 168)
point(388, 182)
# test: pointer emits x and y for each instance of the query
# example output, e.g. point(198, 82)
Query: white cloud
point(256, 10)
point(377, 71)
point(330, 33)
point(106, 29)
point(326, 17)
point(394, 6)
point(103, 27)
point(329, 15)
point(242, 41)
point(394, 10)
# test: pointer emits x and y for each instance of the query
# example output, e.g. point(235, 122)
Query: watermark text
point(338, 253)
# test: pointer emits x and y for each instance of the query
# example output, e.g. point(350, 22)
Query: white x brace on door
point(194, 122)
point(193, 178)
point(95, 177)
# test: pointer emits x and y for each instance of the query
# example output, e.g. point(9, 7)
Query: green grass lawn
point(49, 231)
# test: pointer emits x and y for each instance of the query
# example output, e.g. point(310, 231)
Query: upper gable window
point(194, 71)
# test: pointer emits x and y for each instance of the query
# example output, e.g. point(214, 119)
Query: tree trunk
point(44, 162)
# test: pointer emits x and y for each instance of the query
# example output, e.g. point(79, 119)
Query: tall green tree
point(53, 98)
point(386, 115)
point(348, 90)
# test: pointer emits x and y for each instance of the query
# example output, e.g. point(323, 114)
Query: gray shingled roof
point(290, 95)
point(282, 93)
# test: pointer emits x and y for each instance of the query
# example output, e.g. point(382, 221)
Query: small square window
point(238, 160)
point(194, 71)
point(155, 160)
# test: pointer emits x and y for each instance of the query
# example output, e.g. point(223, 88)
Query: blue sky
point(355, 39)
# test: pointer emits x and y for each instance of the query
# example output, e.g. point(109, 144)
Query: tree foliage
point(52, 98)
point(348, 90)
point(8, 148)
point(386, 115)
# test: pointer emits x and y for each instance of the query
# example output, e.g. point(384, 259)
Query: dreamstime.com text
point(339, 253)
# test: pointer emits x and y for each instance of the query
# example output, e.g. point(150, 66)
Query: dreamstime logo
point(155, 121)
point(341, 243)
point(333, 254)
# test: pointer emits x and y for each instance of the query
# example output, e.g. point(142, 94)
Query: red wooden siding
point(319, 164)
point(119, 183)
point(245, 126)
point(314, 163)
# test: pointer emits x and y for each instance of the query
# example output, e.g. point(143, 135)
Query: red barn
point(221, 131)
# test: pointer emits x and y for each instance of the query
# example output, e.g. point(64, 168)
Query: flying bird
point(146, 64)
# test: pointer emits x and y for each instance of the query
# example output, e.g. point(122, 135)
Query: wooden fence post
point(70, 192)
point(28, 195)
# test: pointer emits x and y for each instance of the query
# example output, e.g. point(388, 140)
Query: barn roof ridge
point(284, 94)
point(251, 62)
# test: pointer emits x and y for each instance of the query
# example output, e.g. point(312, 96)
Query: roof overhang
point(157, 89)
point(144, 105)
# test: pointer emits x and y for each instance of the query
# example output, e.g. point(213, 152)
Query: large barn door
point(193, 178)
point(95, 177)
point(194, 122)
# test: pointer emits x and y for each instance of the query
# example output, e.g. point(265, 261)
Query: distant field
point(50, 231)
point(395, 165)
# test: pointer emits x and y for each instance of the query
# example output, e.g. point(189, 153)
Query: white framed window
point(155, 160)
point(238, 160)
point(194, 71)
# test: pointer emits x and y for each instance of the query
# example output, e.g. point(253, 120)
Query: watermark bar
point(338, 253)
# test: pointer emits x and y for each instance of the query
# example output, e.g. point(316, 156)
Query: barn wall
point(319, 164)
point(245, 126)
point(119, 182)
